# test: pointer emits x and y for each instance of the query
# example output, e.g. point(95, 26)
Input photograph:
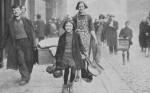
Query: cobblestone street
point(117, 78)
point(135, 73)
point(49, 19)
point(42, 82)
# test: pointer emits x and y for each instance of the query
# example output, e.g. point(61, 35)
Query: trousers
point(113, 48)
point(25, 58)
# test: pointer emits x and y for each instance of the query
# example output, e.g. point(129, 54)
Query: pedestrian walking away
point(68, 55)
point(21, 43)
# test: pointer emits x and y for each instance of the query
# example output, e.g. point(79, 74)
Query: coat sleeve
point(104, 30)
point(121, 33)
point(58, 49)
point(32, 33)
point(91, 25)
point(5, 36)
point(131, 35)
point(140, 28)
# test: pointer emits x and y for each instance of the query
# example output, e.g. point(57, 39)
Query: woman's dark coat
point(77, 49)
point(8, 41)
point(142, 34)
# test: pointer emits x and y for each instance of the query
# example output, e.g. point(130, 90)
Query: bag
point(51, 69)
point(35, 52)
point(86, 75)
point(57, 73)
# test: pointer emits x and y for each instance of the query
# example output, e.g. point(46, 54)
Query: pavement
point(135, 73)
point(110, 81)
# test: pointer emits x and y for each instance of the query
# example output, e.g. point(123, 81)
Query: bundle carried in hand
point(49, 42)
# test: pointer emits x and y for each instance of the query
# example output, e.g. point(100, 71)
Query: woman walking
point(147, 36)
point(142, 34)
point(68, 55)
point(84, 26)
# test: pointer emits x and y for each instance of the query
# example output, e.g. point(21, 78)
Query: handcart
point(123, 46)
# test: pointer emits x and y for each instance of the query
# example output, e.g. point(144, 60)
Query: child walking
point(126, 33)
point(68, 55)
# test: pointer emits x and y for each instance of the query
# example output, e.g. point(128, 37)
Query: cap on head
point(101, 16)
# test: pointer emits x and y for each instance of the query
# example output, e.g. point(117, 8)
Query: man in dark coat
point(112, 27)
point(40, 28)
point(20, 38)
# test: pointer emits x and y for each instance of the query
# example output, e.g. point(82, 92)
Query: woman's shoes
point(23, 82)
point(77, 79)
point(146, 55)
point(70, 87)
point(65, 88)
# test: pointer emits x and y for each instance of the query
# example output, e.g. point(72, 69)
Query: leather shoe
point(77, 79)
point(65, 88)
point(70, 87)
point(23, 82)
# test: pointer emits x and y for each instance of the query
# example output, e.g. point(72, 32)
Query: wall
point(40, 8)
point(136, 11)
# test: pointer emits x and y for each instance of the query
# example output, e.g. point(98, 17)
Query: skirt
point(68, 61)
